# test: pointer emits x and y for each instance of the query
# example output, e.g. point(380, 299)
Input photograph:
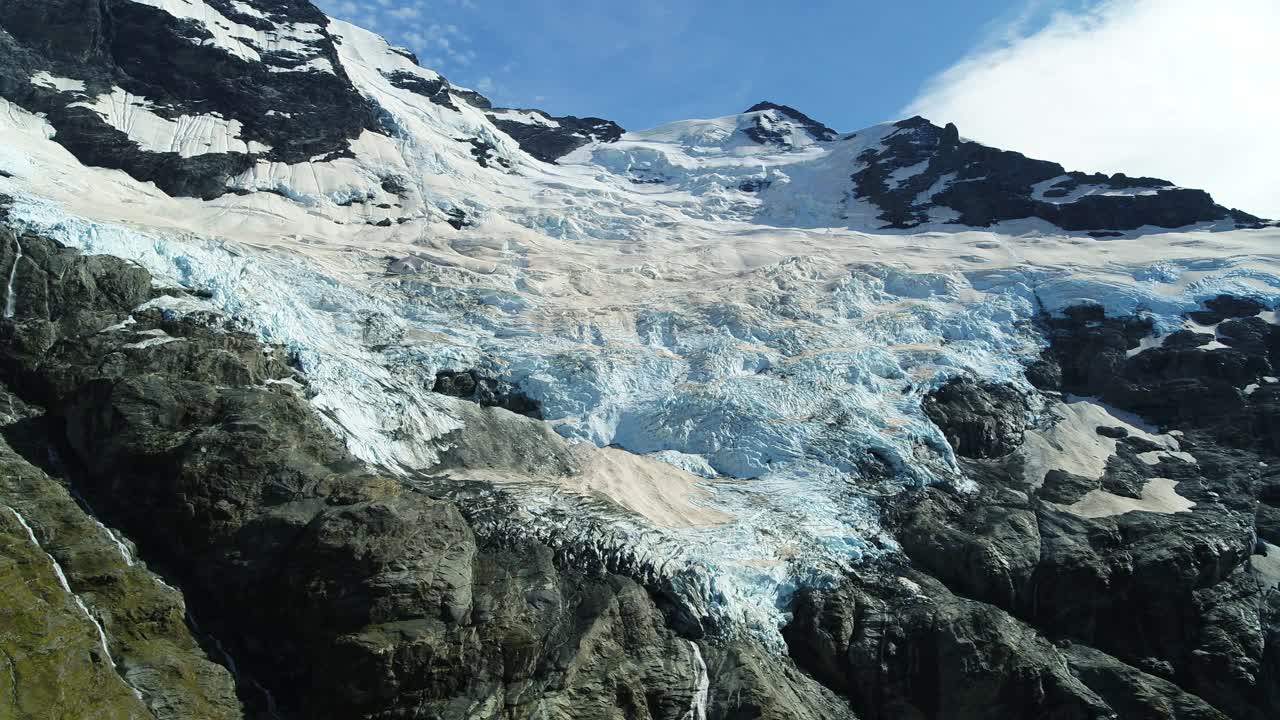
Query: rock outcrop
point(925, 173)
point(550, 138)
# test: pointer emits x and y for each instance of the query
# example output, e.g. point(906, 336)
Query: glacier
point(721, 309)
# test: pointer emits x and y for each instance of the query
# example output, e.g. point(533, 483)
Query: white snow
point(901, 175)
point(149, 342)
point(1072, 444)
point(317, 64)
point(246, 9)
point(1079, 191)
point(58, 83)
point(1159, 495)
point(188, 135)
point(1267, 567)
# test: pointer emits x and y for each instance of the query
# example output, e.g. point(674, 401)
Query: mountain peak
point(816, 130)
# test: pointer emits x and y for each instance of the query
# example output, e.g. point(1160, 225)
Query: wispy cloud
point(417, 24)
point(1181, 89)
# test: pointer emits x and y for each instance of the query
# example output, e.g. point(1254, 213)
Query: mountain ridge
point(514, 415)
point(158, 76)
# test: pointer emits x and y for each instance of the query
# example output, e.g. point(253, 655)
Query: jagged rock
point(145, 620)
point(987, 186)
point(767, 134)
point(1133, 693)
point(980, 420)
point(436, 90)
point(1251, 335)
point(1187, 339)
point(486, 391)
point(1115, 433)
point(1147, 600)
point(498, 439)
point(747, 683)
point(1224, 307)
point(900, 645)
point(551, 138)
point(51, 664)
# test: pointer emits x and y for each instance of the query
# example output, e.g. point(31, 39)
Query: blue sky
point(848, 63)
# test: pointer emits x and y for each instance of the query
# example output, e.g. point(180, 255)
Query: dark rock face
point(979, 420)
point(983, 186)
point(436, 90)
point(485, 153)
point(48, 640)
point(486, 391)
point(151, 54)
point(900, 645)
point(1225, 307)
point(765, 133)
point(471, 97)
point(555, 137)
point(1177, 383)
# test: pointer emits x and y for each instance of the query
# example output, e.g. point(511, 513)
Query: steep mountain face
point(922, 172)
point(185, 95)
point(334, 391)
point(551, 138)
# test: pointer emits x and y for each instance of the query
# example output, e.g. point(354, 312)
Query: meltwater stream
point(702, 686)
point(66, 586)
point(10, 300)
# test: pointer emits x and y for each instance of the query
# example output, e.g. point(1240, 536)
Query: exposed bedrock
point(483, 390)
point(981, 186)
point(145, 663)
point(980, 420)
point(551, 138)
point(344, 594)
point(1100, 569)
point(172, 67)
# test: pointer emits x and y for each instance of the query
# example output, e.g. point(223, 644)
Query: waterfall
point(10, 300)
point(62, 580)
point(230, 663)
point(701, 686)
point(88, 510)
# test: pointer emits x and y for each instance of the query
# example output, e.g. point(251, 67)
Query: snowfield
point(731, 358)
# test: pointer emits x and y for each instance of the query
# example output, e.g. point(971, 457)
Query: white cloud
point(1179, 89)
point(404, 12)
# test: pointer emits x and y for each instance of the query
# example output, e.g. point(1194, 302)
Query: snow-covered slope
point(729, 324)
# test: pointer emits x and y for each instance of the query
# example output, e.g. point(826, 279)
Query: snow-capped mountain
point(720, 347)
